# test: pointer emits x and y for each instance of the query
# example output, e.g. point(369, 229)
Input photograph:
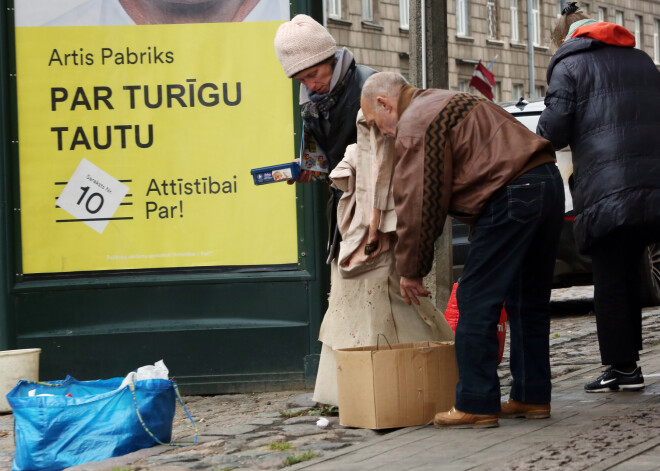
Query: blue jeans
point(511, 260)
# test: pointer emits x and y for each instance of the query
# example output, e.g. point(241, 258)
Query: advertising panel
point(139, 122)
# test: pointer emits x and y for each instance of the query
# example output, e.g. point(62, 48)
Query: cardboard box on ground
point(395, 386)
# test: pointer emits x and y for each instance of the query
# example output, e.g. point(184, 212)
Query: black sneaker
point(613, 380)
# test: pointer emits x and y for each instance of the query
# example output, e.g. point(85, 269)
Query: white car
point(571, 267)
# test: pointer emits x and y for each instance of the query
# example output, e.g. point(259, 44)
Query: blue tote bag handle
point(146, 429)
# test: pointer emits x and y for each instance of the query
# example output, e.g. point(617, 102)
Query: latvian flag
point(483, 80)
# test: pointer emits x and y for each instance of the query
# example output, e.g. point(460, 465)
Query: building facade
point(496, 31)
point(375, 30)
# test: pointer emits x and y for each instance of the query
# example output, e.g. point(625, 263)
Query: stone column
point(441, 278)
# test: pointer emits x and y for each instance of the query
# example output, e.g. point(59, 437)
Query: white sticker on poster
point(92, 196)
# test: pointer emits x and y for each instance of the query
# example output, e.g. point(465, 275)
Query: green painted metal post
point(316, 197)
point(7, 142)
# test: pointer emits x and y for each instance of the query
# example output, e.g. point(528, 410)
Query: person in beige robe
point(365, 298)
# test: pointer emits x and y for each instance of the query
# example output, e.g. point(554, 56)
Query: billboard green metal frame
point(100, 325)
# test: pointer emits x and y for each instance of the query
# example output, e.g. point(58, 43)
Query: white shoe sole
point(602, 390)
point(621, 387)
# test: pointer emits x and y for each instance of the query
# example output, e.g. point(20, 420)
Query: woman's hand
point(305, 177)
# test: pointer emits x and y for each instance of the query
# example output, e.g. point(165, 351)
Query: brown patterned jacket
point(454, 151)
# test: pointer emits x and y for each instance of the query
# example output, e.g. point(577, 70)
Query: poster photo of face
point(146, 12)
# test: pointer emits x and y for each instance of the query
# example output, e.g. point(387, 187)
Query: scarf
point(316, 105)
point(576, 25)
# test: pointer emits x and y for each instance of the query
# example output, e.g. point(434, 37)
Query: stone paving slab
point(573, 294)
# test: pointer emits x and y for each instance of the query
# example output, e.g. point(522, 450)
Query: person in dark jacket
point(330, 88)
point(603, 100)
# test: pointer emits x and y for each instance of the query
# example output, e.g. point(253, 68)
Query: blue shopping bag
point(70, 422)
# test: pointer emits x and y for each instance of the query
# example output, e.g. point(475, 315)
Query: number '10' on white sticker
point(92, 196)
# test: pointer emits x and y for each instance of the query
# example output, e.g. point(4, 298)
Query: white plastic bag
point(156, 371)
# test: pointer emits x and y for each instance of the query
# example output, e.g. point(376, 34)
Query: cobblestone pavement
point(573, 341)
point(263, 431)
point(237, 431)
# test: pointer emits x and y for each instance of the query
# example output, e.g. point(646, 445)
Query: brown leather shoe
point(457, 419)
point(512, 409)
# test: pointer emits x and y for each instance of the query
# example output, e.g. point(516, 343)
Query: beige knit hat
point(302, 43)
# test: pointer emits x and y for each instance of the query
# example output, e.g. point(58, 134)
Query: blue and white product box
point(276, 173)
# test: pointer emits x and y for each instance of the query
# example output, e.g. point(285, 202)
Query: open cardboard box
point(395, 386)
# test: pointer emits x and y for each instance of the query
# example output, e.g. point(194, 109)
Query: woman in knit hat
point(330, 84)
point(330, 90)
point(364, 300)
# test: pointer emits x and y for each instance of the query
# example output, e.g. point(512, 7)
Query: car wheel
point(651, 276)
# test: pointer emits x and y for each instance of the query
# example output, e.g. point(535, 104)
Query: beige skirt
point(359, 310)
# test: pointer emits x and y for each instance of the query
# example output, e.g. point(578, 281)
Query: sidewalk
point(262, 431)
point(597, 431)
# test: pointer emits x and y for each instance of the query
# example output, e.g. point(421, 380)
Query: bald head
point(388, 84)
point(380, 97)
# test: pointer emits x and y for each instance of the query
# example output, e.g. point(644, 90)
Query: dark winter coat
point(604, 101)
point(342, 133)
point(343, 129)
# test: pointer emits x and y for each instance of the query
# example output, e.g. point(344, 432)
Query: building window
point(493, 23)
point(462, 17)
point(463, 85)
point(367, 10)
point(404, 13)
point(602, 14)
point(518, 91)
point(404, 65)
point(618, 17)
point(561, 4)
point(536, 18)
point(514, 21)
point(638, 31)
point(539, 90)
point(497, 92)
point(656, 41)
point(334, 8)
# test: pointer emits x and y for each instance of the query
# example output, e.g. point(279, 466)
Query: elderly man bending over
point(462, 155)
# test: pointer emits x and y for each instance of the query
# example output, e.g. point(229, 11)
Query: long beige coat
point(365, 297)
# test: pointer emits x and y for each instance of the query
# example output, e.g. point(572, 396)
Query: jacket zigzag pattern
point(458, 107)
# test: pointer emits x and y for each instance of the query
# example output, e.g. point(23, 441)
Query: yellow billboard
point(136, 144)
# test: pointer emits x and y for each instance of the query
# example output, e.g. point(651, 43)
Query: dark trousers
point(511, 260)
point(617, 279)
